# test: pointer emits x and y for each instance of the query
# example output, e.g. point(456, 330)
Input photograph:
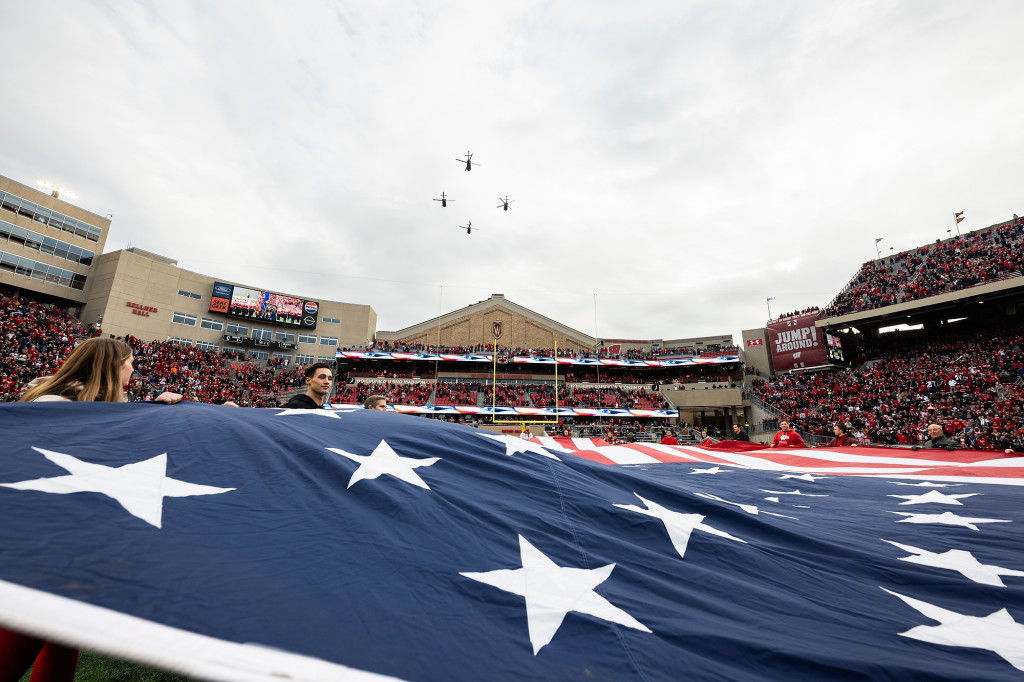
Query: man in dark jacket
point(319, 378)
point(937, 439)
point(739, 434)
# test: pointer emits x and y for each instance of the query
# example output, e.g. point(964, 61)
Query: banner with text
point(796, 343)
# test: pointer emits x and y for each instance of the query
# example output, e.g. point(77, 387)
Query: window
point(307, 338)
point(328, 340)
point(215, 325)
point(47, 217)
point(184, 342)
point(234, 349)
point(284, 336)
point(259, 354)
point(238, 329)
point(189, 294)
point(326, 358)
point(331, 320)
point(37, 241)
point(51, 273)
point(184, 318)
point(305, 359)
point(262, 334)
point(282, 356)
point(206, 345)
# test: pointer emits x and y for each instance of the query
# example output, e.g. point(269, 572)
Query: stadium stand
point(36, 338)
point(953, 265)
point(603, 353)
point(969, 379)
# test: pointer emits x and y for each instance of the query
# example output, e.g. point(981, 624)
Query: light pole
point(55, 190)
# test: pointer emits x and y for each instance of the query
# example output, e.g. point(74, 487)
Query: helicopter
point(444, 200)
point(468, 161)
point(468, 227)
point(504, 202)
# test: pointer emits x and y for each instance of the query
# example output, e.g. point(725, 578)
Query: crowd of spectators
point(266, 386)
point(711, 350)
point(456, 393)
point(36, 336)
point(971, 381)
point(613, 352)
point(477, 394)
point(198, 375)
point(958, 263)
point(396, 392)
point(796, 313)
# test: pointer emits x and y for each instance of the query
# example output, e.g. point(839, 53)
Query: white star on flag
point(712, 470)
point(997, 632)
point(749, 508)
point(933, 497)
point(960, 561)
point(384, 460)
point(514, 445)
point(299, 412)
point(678, 525)
point(552, 591)
point(139, 487)
point(803, 477)
point(946, 519)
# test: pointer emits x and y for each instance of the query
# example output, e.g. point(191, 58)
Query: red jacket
point(788, 439)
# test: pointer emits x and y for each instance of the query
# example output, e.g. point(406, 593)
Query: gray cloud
point(682, 161)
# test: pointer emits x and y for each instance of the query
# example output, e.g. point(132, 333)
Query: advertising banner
point(796, 343)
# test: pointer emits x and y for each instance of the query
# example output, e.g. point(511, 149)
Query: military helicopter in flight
point(468, 227)
point(444, 200)
point(468, 161)
point(504, 202)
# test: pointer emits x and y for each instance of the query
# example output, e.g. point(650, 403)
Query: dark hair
point(842, 427)
point(311, 370)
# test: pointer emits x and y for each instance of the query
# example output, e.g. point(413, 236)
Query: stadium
point(930, 336)
point(450, 342)
point(927, 335)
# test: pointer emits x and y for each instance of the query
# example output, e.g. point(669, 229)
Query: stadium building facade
point(53, 248)
point(47, 245)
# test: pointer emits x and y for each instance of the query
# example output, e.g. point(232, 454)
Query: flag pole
point(768, 302)
point(956, 221)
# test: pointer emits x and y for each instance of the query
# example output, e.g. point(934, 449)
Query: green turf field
point(96, 668)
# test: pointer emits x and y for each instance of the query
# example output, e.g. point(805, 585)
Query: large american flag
point(243, 544)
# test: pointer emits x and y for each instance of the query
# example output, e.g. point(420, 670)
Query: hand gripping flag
point(243, 544)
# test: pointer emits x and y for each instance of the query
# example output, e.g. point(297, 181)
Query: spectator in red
point(787, 438)
point(670, 438)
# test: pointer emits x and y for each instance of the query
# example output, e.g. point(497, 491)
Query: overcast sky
point(673, 164)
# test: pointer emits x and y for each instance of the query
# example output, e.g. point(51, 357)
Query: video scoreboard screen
point(263, 306)
point(834, 348)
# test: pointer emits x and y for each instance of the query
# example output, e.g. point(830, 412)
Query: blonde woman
point(97, 370)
